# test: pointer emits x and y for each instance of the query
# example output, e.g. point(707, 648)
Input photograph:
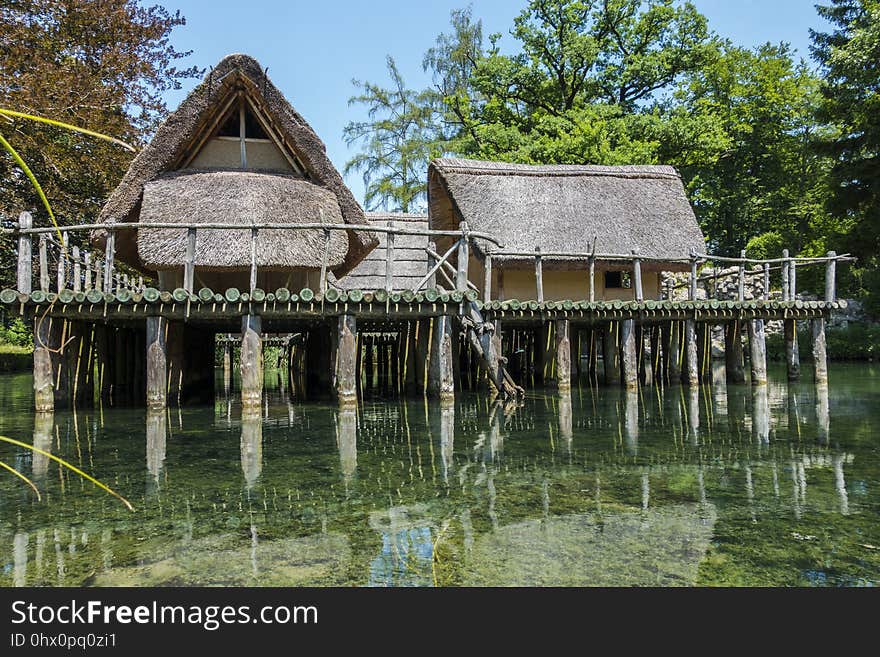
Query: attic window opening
point(617, 280)
point(231, 126)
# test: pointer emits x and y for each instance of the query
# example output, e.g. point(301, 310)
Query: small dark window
point(617, 280)
point(232, 124)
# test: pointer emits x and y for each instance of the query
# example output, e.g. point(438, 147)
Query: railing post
point(692, 283)
point(77, 270)
point(539, 274)
point(389, 259)
point(87, 264)
point(741, 289)
point(592, 266)
point(62, 262)
point(792, 280)
point(44, 263)
point(431, 281)
point(108, 262)
point(786, 296)
point(766, 281)
point(830, 275)
point(487, 279)
point(25, 255)
point(461, 279)
point(637, 277)
point(189, 266)
point(253, 281)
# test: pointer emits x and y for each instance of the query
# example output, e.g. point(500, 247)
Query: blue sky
point(314, 49)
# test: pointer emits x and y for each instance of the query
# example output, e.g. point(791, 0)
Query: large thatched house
point(567, 209)
point(236, 151)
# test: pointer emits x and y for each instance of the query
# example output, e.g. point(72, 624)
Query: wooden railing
point(80, 270)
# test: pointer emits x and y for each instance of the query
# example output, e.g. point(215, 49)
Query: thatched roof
point(184, 128)
point(562, 208)
point(410, 257)
point(240, 197)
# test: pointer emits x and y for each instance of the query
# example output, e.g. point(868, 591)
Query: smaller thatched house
point(236, 151)
point(567, 209)
point(410, 263)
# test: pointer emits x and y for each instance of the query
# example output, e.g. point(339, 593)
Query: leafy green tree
point(850, 58)
point(102, 64)
point(398, 140)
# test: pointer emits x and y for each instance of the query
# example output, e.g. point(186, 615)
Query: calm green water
point(721, 486)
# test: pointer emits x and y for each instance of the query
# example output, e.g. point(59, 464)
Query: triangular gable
point(179, 136)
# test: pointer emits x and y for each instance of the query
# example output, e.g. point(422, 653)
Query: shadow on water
point(720, 484)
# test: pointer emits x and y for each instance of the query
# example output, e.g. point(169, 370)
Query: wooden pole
point(389, 259)
point(157, 363)
point(487, 278)
point(189, 267)
point(461, 279)
point(741, 287)
point(44, 263)
point(77, 270)
point(733, 353)
point(692, 287)
point(637, 277)
point(539, 274)
point(592, 284)
point(47, 337)
point(673, 357)
point(757, 352)
point(563, 355)
point(109, 254)
point(441, 378)
point(766, 281)
point(251, 362)
point(629, 354)
point(346, 360)
point(830, 277)
point(25, 254)
point(62, 263)
point(792, 354)
point(611, 354)
point(820, 356)
point(692, 365)
point(786, 263)
point(253, 281)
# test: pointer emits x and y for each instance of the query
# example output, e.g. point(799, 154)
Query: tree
point(850, 107)
point(398, 139)
point(102, 64)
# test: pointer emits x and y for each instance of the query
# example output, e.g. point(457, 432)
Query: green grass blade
point(36, 185)
point(67, 126)
point(70, 466)
point(8, 467)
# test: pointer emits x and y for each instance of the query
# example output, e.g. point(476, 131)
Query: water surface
point(717, 486)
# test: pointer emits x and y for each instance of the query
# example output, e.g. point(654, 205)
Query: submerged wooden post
point(346, 361)
point(757, 352)
point(25, 255)
point(629, 354)
point(539, 275)
point(733, 352)
point(251, 361)
point(441, 378)
point(691, 353)
point(563, 354)
point(611, 354)
point(47, 338)
point(673, 353)
point(157, 363)
point(820, 356)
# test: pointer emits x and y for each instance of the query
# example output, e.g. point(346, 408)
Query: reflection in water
point(251, 447)
point(156, 442)
point(44, 425)
point(677, 485)
point(346, 441)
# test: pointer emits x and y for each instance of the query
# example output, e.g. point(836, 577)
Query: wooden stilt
point(251, 362)
point(441, 372)
point(47, 337)
point(733, 352)
point(611, 354)
point(629, 354)
point(820, 358)
point(157, 365)
point(563, 354)
point(792, 354)
point(673, 357)
point(346, 370)
point(757, 352)
point(692, 361)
